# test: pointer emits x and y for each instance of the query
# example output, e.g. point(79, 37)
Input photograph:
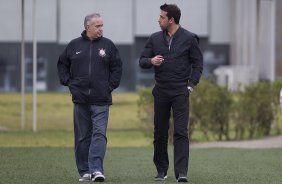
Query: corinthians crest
point(102, 52)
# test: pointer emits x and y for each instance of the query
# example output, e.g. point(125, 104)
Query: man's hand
point(190, 89)
point(157, 60)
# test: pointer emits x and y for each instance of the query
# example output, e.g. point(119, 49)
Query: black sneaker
point(161, 177)
point(98, 177)
point(182, 178)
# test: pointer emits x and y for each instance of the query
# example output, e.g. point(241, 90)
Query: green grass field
point(55, 121)
point(55, 111)
point(53, 138)
point(134, 166)
point(47, 156)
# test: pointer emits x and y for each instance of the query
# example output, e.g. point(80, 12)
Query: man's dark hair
point(172, 11)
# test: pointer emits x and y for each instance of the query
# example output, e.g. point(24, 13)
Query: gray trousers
point(90, 126)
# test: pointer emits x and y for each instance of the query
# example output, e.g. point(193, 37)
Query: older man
point(91, 67)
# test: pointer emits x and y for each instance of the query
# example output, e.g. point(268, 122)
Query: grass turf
point(55, 111)
point(134, 165)
point(60, 138)
point(47, 156)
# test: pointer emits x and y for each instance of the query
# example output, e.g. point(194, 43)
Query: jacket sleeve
point(115, 69)
point(146, 55)
point(196, 58)
point(63, 67)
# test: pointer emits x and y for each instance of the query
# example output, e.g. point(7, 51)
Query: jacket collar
point(84, 36)
point(175, 34)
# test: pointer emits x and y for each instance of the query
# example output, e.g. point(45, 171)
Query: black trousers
point(176, 99)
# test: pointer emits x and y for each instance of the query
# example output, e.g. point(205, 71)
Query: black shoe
point(182, 178)
point(161, 177)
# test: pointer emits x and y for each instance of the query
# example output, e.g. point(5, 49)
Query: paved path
point(2, 129)
point(270, 142)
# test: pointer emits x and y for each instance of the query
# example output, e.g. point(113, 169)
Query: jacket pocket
point(78, 88)
point(101, 90)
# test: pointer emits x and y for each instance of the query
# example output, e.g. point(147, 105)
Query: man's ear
point(171, 20)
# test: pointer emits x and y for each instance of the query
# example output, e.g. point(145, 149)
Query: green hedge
point(210, 107)
point(220, 114)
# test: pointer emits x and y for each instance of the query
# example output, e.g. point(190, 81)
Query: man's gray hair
point(89, 17)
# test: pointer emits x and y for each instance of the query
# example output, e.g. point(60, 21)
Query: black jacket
point(91, 69)
point(183, 60)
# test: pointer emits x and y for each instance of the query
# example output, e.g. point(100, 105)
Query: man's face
point(95, 28)
point(163, 20)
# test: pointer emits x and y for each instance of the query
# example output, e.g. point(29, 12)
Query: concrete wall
point(123, 19)
point(219, 21)
point(10, 20)
point(266, 40)
point(278, 40)
point(117, 16)
point(244, 32)
point(194, 16)
point(247, 26)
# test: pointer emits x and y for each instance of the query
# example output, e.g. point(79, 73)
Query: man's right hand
point(157, 60)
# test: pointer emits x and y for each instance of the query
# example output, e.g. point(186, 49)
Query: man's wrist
point(150, 61)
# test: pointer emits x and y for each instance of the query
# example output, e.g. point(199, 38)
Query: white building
point(234, 33)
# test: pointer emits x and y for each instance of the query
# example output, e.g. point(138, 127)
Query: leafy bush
point(210, 106)
point(276, 87)
point(145, 105)
point(256, 109)
point(217, 112)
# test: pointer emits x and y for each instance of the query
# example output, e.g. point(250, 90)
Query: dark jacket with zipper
point(91, 69)
point(183, 60)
